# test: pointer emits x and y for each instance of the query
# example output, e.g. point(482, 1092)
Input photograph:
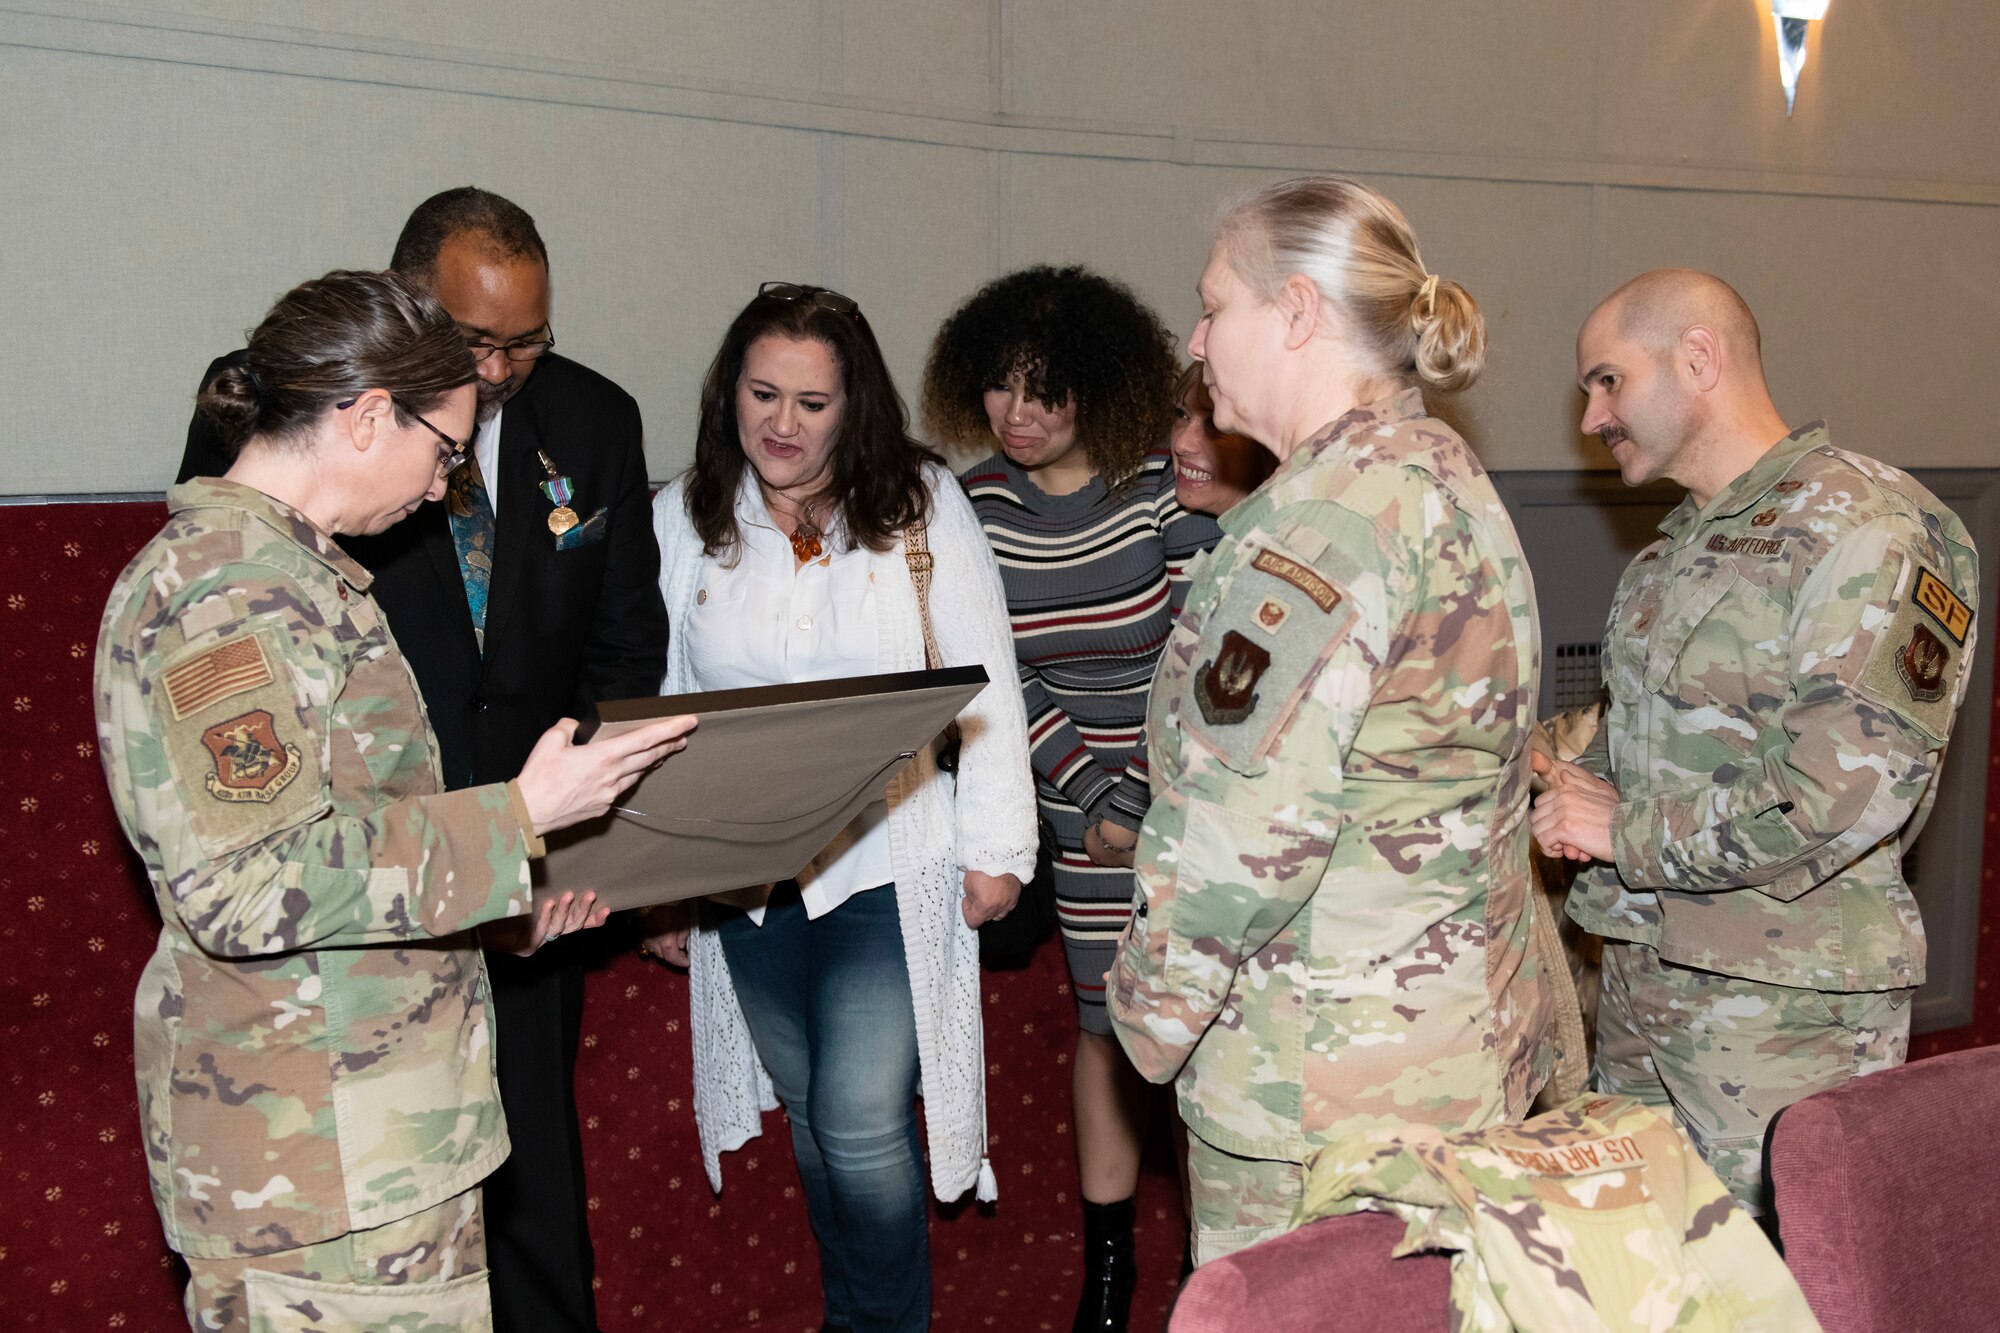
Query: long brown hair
point(878, 470)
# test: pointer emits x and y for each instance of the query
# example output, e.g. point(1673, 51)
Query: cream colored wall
point(170, 169)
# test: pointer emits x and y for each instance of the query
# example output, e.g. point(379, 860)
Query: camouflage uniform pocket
point(1915, 666)
point(1275, 625)
point(283, 1304)
point(1237, 882)
point(1705, 656)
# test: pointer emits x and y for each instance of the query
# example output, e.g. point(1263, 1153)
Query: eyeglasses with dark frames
point(823, 297)
point(521, 349)
point(451, 453)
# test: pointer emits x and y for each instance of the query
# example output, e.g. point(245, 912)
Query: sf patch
point(1225, 687)
point(251, 761)
point(1932, 594)
point(1915, 665)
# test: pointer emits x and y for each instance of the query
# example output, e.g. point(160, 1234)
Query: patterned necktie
point(471, 512)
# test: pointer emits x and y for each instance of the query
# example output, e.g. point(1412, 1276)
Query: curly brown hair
point(1075, 336)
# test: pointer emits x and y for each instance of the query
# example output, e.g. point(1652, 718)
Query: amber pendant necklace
point(806, 537)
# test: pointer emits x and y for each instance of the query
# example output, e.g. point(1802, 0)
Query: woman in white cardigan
point(846, 992)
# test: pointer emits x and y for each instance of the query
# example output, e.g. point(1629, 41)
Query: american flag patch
point(222, 671)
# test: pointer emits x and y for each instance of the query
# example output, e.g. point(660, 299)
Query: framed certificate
point(768, 778)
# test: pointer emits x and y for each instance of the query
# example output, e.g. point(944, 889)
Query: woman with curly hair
point(1072, 378)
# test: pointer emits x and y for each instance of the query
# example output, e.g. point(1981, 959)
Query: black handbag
point(1013, 939)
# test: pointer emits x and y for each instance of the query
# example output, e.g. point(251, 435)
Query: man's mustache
point(1614, 435)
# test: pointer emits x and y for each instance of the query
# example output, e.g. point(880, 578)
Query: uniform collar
point(1753, 485)
point(1402, 405)
point(287, 522)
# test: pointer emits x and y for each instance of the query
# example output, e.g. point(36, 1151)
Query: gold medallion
point(561, 519)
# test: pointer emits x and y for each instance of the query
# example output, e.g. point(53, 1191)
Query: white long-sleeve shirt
point(765, 619)
point(938, 828)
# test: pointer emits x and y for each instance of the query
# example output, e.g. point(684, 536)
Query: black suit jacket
point(564, 629)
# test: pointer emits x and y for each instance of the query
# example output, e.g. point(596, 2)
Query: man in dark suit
point(528, 593)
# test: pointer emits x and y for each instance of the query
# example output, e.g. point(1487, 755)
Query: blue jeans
point(828, 1004)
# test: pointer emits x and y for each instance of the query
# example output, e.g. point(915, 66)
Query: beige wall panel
point(1511, 79)
point(916, 237)
point(1523, 251)
point(1878, 317)
point(660, 230)
point(774, 44)
point(1900, 91)
point(154, 240)
point(1144, 223)
point(918, 51)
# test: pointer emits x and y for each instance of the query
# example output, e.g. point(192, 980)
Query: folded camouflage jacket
point(1598, 1217)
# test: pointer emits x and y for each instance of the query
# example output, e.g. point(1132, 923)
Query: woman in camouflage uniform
point(313, 1045)
point(1333, 875)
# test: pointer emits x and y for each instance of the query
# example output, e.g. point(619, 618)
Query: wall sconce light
point(1790, 18)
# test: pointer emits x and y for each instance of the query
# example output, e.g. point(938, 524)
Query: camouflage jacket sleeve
point(270, 837)
point(1240, 831)
point(1844, 762)
point(1596, 756)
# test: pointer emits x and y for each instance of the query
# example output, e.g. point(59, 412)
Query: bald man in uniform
point(1783, 667)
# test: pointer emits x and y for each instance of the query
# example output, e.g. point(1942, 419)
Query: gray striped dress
point(1093, 583)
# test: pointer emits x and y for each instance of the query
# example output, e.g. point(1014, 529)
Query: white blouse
point(766, 620)
point(984, 819)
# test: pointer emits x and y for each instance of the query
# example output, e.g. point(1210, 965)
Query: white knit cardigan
point(937, 828)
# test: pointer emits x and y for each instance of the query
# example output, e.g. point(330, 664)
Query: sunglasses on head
point(823, 297)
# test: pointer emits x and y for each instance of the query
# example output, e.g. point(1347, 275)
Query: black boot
point(1110, 1269)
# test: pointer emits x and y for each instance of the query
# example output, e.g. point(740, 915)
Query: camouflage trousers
point(1727, 1053)
point(425, 1273)
point(1234, 1202)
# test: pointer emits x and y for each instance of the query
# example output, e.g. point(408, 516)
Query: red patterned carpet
point(80, 1245)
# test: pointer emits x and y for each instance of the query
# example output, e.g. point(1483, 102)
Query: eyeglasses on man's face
point(823, 297)
point(521, 349)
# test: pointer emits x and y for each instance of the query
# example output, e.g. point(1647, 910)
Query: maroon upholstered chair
point(1887, 1192)
point(1332, 1274)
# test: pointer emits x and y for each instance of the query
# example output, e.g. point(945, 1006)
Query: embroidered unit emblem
point(1225, 689)
point(251, 762)
point(1943, 604)
point(1765, 519)
point(1273, 613)
point(1921, 664)
point(1324, 595)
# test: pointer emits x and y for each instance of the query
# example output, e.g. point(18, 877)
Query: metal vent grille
point(1577, 677)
